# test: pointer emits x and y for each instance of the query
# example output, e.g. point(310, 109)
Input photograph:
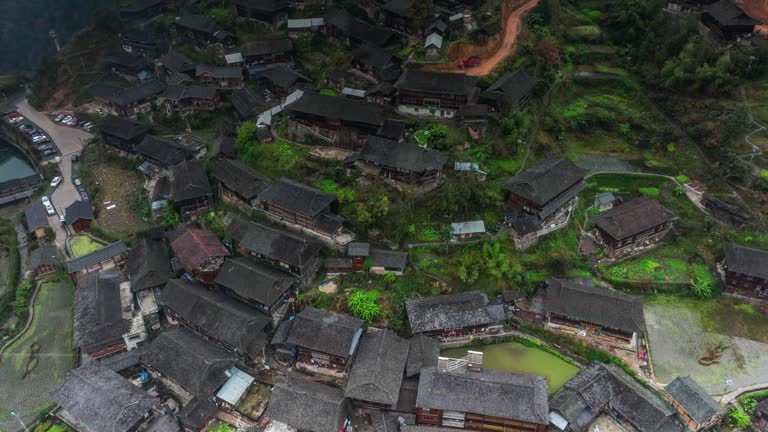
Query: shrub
point(682, 179)
point(649, 192)
point(739, 418)
point(363, 304)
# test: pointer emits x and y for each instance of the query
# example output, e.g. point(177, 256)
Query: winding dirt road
point(495, 52)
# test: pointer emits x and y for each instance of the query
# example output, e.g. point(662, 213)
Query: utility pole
point(13, 413)
point(52, 34)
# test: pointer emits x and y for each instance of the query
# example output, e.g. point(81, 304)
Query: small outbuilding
point(468, 230)
point(693, 403)
point(79, 216)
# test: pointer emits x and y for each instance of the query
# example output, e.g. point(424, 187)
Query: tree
point(421, 13)
point(390, 279)
point(247, 135)
point(363, 305)
point(702, 289)
point(170, 216)
point(371, 210)
point(548, 51)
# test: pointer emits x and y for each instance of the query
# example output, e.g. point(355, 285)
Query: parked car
point(48, 152)
point(56, 181)
point(44, 147)
point(75, 158)
point(48, 207)
point(77, 181)
point(58, 118)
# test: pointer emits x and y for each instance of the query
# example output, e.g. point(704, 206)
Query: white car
point(56, 181)
point(77, 182)
point(58, 118)
point(48, 206)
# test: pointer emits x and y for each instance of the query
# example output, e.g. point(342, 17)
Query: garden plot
point(40, 359)
point(681, 331)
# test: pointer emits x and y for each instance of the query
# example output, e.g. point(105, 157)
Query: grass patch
point(276, 159)
point(649, 192)
point(587, 33)
point(764, 173)
point(83, 245)
point(329, 92)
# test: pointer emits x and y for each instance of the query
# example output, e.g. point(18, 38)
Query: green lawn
point(83, 245)
point(39, 360)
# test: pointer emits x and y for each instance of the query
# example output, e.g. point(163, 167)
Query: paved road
point(70, 141)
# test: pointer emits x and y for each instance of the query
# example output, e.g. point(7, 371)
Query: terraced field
point(40, 359)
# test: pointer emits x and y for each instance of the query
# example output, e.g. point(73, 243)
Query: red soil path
point(495, 52)
point(757, 9)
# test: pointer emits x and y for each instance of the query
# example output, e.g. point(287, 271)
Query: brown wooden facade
point(470, 421)
point(432, 100)
point(745, 285)
point(81, 225)
point(190, 207)
point(220, 82)
point(609, 335)
point(616, 248)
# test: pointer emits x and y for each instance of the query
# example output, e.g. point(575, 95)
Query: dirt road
point(495, 52)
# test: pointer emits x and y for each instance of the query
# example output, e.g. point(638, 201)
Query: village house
point(745, 272)
point(693, 404)
point(727, 20)
point(547, 191)
point(36, 219)
point(603, 388)
point(482, 400)
point(122, 133)
point(433, 46)
point(392, 129)
point(398, 15)
point(422, 353)
point(474, 118)
point(578, 308)
point(267, 52)
point(305, 26)
point(246, 103)
point(351, 31)
point(173, 63)
point(220, 77)
point(131, 66)
point(78, 216)
point(200, 252)
point(325, 340)
point(258, 285)
point(106, 258)
point(388, 261)
point(187, 364)
point(105, 323)
point(511, 92)
point(239, 184)
point(149, 268)
point(473, 168)
point(468, 230)
point(143, 10)
point(139, 41)
point(197, 415)
point(632, 227)
point(131, 101)
point(605, 201)
point(292, 203)
point(725, 211)
point(487, 33)
point(377, 63)
point(375, 379)
point(335, 266)
point(93, 398)
point(43, 261)
point(188, 99)
point(280, 81)
point(434, 94)
point(200, 30)
point(453, 315)
point(219, 319)
point(290, 252)
point(308, 407)
point(162, 152)
point(400, 162)
point(382, 94)
point(189, 188)
point(272, 12)
point(334, 121)
point(358, 252)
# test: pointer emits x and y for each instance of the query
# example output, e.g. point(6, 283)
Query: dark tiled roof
point(241, 178)
point(281, 76)
point(263, 5)
point(358, 249)
point(423, 353)
point(389, 259)
point(137, 6)
point(253, 280)
point(357, 29)
point(604, 387)
point(178, 92)
point(546, 180)
point(727, 13)
point(99, 255)
point(245, 102)
point(198, 23)
point(437, 82)
point(327, 332)
point(448, 311)
point(273, 242)
point(372, 55)
point(694, 399)
point(511, 87)
point(137, 93)
point(162, 150)
point(399, 7)
point(632, 218)
point(752, 262)
point(227, 146)
point(378, 370)
point(601, 306)
point(122, 127)
point(339, 108)
point(267, 46)
point(195, 246)
point(176, 62)
point(189, 180)
point(163, 423)
point(78, 210)
point(391, 129)
point(219, 71)
point(45, 255)
point(296, 197)
point(405, 156)
point(98, 399)
point(308, 406)
point(492, 393)
point(217, 315)
point(126, 60)
point(149, 261)
point(196, 413)
point(188, 360)
point(98, 319)
point(141, 36)
point(36, 216)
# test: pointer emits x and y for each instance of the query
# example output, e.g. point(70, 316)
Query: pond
point(518, 358)
point(83, 245)
point(13, 164)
